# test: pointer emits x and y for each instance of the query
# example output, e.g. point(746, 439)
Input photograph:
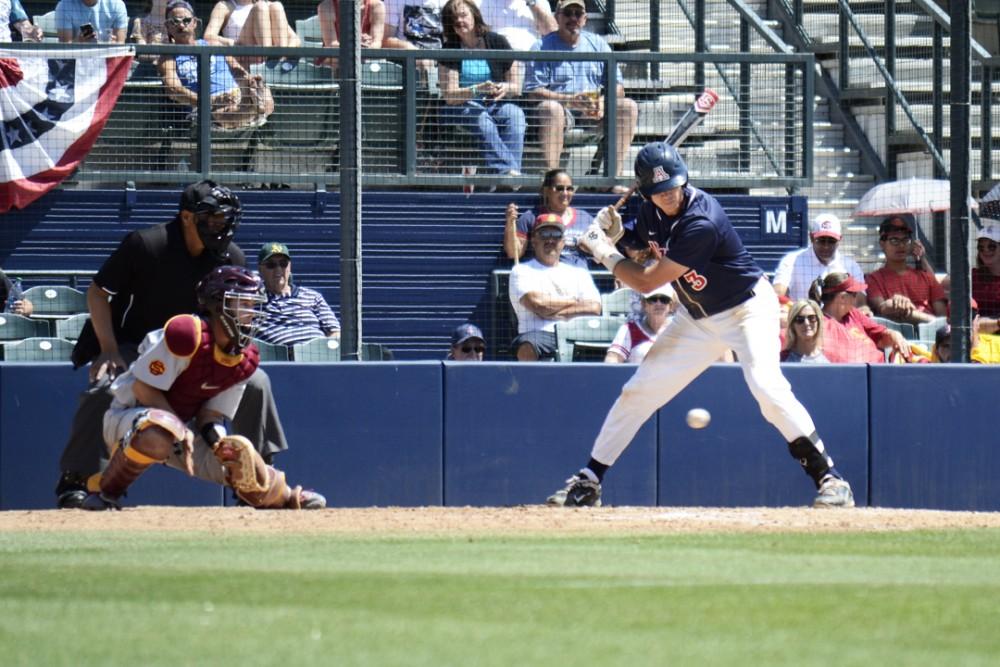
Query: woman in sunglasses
point(804, 334)
point(634, 338)
point(239, 99)
point(555, 197)
point(986, 274)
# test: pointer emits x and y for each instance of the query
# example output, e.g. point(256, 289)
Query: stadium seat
point(56, 300)
point(593, 333)
point(309, 31)
point(47, 22)
point(38, 349)
point(928, 330)
point(908, 331)
point(317, 349)
point(375, 352)
point(16, 327)
point(619, 302)
point(70, 327)
point(270, 351)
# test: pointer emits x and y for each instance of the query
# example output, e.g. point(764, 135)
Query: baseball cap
point(174, 4)
point(567, 3)
point(826, 224)
point(548, 220)
point(942, 334)
point(665, 290)
point(896, 223)
point(991, 231)
point(269, 250)
point(849, 285)
point(464, 332)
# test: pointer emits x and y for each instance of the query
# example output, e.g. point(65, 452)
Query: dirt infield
point(509, 521)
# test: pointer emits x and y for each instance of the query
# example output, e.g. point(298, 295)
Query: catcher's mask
point(217, 212)
point(234, 295)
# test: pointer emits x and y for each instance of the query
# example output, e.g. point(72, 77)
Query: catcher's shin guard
point(140, 448)
point(259, 485)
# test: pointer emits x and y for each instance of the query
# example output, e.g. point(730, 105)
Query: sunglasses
point(897, 240)
point(573, 13)
point(179, 21)
point(563, 188)
point(802, 319)
point(986, 247)
point(549, 234)
point(275, 263)
point(469, 349)
point(658, 298)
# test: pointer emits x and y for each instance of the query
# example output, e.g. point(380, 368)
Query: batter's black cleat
point(98, 502)
point(578, 492)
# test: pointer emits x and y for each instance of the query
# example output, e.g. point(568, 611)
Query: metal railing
point(760, 134)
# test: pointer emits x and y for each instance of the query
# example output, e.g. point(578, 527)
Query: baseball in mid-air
point(698, 417)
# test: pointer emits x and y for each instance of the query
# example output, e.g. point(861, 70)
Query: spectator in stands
point(986, 273)
point(294, 314)
point(19, 21)
point(804, 334)
point(477, 93)
point(798, 269)
point(569, 93)
point(103, 21)
point(128, 298)
point(984, 348)
point(414, 24)
point(239, 98)
point(150, 27)
point(467, 343)
point(896, 291)
point(544, 291)
point(555, 196)
point(522, 22)
point(850, 336)
point(253, 23)
point(634, 338)
point(17, 305)
point(372, 25)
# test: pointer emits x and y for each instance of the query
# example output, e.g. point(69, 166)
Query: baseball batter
point(193, 372)
point(728, 304)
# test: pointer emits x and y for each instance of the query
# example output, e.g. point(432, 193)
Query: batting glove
point(611, 222)
point(596, 242)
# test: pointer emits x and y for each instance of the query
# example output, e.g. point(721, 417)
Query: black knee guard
point(812, 456)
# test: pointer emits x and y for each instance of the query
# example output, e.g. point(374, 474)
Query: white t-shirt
point(799, 268)
point(514, 20)
point(562, 279)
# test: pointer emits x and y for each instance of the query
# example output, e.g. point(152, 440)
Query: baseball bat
point(684, 127)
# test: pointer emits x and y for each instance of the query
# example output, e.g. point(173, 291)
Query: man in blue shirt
point(107, 21)
point(569, 94)
point(293, 314)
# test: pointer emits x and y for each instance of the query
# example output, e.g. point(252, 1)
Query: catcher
point(191, 374)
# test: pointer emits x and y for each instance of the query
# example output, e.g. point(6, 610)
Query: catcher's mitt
point(245, 469)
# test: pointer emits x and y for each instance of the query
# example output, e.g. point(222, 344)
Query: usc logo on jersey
point(157, 367)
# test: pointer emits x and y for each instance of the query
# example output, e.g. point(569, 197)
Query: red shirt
point(920, 287)
point(986, 292)
point(853, 340)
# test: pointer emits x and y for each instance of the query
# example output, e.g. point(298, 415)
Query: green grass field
point(895, 598)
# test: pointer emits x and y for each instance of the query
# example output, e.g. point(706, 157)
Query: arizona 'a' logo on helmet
point(659, 167)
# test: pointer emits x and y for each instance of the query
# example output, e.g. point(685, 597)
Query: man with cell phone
point(91, 21)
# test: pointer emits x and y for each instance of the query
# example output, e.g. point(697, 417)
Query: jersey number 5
point(695, 280)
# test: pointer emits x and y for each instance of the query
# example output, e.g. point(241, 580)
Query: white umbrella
point(912, 195)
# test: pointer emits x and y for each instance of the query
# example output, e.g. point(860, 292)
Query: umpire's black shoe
point(71, 491)
point(578, 492)
point(71, 500)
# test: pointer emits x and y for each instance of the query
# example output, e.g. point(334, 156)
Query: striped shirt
point(300, 316)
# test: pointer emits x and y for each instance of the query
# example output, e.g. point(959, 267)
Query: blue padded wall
point(934, 440)
point(37, 402)
point(514, 432)
point(740, 459)
point(362, 434)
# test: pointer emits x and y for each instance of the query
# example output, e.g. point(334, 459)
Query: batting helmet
point(206, 199)
point(233, 294)
point(659, 167)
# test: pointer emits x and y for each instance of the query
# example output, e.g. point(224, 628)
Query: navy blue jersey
point(722, 273)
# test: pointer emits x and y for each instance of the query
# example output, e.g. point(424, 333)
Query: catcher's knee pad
point(255, 482)
point(811, 455)
point(140, 443)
